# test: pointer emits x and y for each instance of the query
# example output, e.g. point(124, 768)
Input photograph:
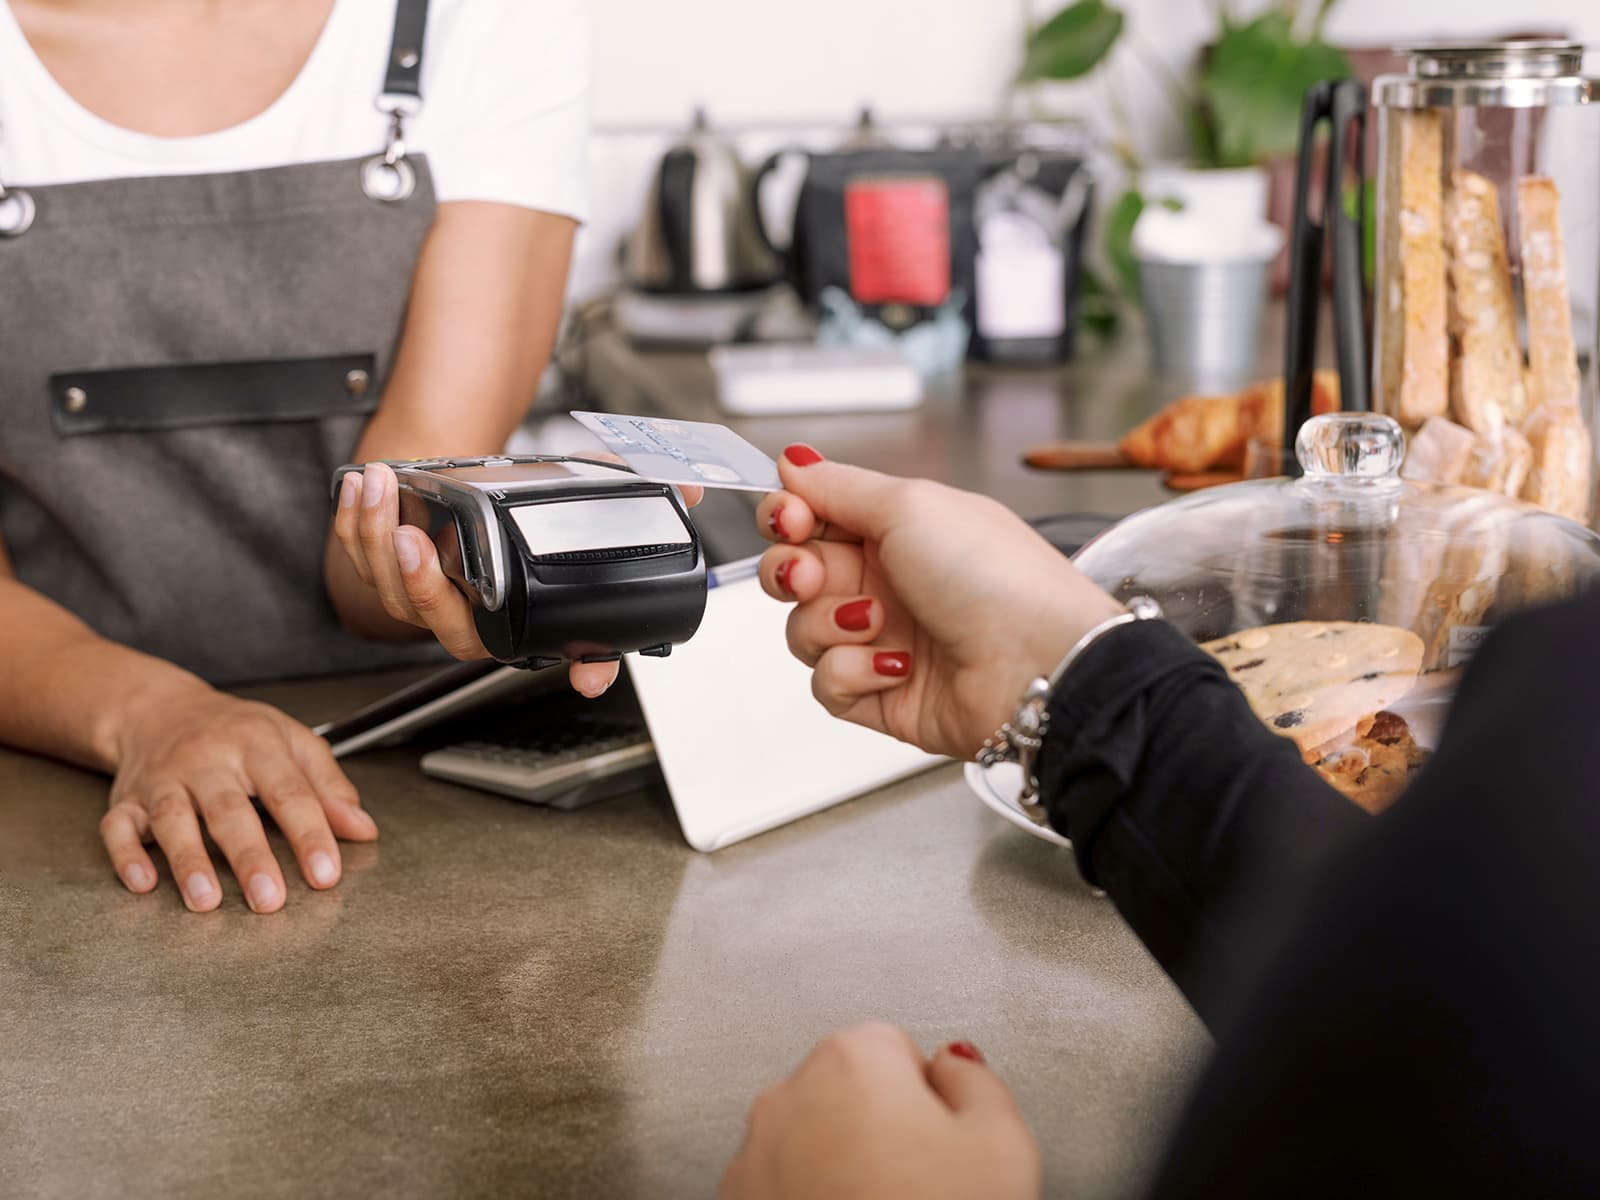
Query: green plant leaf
point(1119, 241)
point(1253, 85)
point(1367, 195)
point(1202, 136)
point(1072, 43)
point(1099, 310)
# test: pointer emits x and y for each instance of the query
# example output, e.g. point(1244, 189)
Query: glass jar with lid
point(1346, 602)
point(1488, 267)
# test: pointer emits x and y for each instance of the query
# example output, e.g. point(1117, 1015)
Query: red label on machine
point(898, 232)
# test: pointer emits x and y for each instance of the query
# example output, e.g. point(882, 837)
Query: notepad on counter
point(743, 744)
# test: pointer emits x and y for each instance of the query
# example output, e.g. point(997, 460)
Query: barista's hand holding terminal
point(400, 563)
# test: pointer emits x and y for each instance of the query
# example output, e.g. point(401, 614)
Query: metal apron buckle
point(17, 211)
point(389, 178)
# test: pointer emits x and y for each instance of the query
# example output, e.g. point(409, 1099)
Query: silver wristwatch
point(1020, 738)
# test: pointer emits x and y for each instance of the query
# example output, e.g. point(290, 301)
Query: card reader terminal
point(563, 558)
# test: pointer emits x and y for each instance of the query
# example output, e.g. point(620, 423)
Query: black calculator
point(565, 752)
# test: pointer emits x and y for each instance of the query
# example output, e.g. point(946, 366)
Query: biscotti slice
point(1561, 478)
point(1486, 363)
point(1313, 681)
point(1438, 452)
point(1499, 464)
point(1519, 461)
point(1468, 581)
point(1413, 351)
point(1552, 357)
point(1432, 584)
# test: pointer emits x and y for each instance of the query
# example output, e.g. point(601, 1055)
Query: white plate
point(997, 787)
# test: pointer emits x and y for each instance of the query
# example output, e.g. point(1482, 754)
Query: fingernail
point(347, 491)
point(371, 488)
point(263, 891)
point(801, 455)
point(965, 1050)
point(855, 616)
point(136, 877)
point(781, 575)
point(323, 871)
point(199, 888)
point(363, 817)
point(775, 523)
point(892, 663)
point(405, 551)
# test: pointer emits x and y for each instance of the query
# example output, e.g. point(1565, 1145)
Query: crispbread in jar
point(1505, 139)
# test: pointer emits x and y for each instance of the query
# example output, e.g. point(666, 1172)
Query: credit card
point(693, 452)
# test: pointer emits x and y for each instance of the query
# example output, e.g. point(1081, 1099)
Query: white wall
point(776, 69)
point(786, 60)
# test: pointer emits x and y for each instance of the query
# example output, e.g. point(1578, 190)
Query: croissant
point(1207, 433)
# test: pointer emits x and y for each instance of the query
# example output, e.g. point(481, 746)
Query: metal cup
point(1204, 319)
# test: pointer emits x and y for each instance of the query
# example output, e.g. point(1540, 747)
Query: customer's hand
point(865, 1116)
point(402, 563)
point(924, 610)
point(193, 759)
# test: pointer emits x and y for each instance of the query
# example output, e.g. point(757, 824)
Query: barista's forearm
point(485, 304)
point(67, 692)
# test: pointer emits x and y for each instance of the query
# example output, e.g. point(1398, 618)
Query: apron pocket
point(143, 399)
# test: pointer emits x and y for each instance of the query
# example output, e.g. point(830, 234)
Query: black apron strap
point(388, 177)
point(404, 75)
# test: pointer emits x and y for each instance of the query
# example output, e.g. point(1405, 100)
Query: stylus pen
point(734, 572)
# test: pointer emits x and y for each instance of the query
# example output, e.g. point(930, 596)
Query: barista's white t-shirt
point(504, 108)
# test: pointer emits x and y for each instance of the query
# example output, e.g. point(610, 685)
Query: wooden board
point(1078, 456)
point(1194, 481)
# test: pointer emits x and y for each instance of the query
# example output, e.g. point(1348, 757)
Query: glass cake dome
point(1345, 602)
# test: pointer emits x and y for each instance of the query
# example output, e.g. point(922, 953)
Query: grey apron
point(183, 362)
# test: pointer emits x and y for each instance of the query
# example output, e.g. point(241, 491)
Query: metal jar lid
point(1509, 74)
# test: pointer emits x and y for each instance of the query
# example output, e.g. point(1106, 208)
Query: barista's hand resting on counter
point(924, 610)
point(179, 753)
point(402, 564)
point(867, 1116)
point(197, 754)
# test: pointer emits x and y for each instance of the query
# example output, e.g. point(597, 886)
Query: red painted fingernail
point(782, 575)
point(965, 1050)
point(855, 616)
point(775, 523)
point(892, 663)
point(801, 455)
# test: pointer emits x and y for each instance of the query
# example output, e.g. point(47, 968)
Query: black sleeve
point(1430, 1026)
point(1200, 823)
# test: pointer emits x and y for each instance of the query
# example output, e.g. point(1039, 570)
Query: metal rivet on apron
point(75, 400)
point(388, 182)
point(356, 382)
point(17, 211)
point(407, 59)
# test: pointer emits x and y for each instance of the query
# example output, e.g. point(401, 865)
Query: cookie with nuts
point(1377, 765)
point(1316, 681)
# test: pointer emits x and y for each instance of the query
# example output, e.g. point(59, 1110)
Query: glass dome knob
point(1351, 446)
